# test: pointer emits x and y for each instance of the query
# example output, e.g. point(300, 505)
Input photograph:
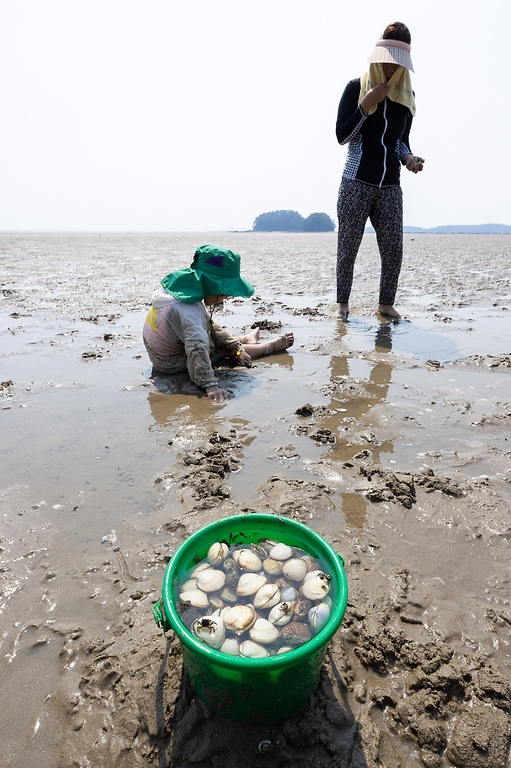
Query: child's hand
point(245, 359)
point(217, 393)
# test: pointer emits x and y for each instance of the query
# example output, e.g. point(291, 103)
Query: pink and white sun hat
point(391, 52)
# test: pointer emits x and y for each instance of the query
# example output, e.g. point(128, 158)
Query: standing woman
point(374, 118)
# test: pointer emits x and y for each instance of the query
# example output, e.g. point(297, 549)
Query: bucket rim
point(316, 644)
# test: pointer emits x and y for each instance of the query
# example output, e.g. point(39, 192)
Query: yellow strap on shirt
point(151, 318)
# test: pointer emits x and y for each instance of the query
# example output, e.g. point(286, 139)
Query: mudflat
point(392, 440)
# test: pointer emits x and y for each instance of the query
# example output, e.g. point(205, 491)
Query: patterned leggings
point(384, 207)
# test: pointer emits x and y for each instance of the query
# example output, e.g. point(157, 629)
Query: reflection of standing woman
point(374, 119)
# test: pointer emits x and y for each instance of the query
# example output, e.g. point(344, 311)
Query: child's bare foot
point(281, 343)
point(388, 310)
point(251, 338)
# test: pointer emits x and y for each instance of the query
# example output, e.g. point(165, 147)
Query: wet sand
point(390, 439)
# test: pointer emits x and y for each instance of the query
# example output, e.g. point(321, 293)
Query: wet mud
point(401, 461)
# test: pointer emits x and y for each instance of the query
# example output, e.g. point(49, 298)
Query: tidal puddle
point(446, 338)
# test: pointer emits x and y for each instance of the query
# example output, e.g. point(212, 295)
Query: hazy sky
point(200, 115)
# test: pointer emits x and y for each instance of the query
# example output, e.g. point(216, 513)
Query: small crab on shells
point(275, 594)
point(210, 629)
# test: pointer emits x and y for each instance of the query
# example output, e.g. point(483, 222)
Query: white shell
point(272, 567)
point(285, 649)
point(217, 553)
point(238, 618)
point(216, 602)
point(190, 584)
point(228, 594)
point(249, 583)
point(264, 632)
point(231, 647)
point(198, 568)
point(281, 552)
point(211, 630)
point(289, 594)
point(295, 569)
point(316, 588)
point(311, 574)
point(281, 614)
point(318, 617)
point(247, 560)
point(210, 580)
point(252, 650)
point(195, 597)
point(267, 596)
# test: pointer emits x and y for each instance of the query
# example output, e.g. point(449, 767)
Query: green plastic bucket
point(260, 691)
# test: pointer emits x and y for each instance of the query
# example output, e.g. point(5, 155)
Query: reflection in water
point(406, 337)
point(351, 400)
point(383, 340)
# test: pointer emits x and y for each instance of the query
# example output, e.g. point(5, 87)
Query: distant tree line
point(292, 221)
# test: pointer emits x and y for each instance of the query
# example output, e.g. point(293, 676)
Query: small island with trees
point(292, 221)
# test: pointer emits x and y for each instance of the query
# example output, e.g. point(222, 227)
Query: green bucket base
point(261, 698)
point(260, 691)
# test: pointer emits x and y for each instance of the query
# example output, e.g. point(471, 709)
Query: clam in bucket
point(263, 691)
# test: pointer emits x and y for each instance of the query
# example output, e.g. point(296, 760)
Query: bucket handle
point(160, 616)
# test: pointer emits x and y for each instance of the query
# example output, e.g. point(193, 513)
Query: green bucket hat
point(215, 271)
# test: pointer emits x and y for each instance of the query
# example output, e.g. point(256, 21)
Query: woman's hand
point(217, 393)
point(414, 163)
point(374, 96)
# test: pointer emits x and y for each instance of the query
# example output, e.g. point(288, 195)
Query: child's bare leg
point(279, 344)
point(250, 338)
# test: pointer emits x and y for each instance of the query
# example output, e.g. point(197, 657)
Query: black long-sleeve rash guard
point(377, 143)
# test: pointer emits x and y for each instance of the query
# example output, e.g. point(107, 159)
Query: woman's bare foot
point(388, 310)
point(251, 338)
point(343, 311)
point(281, 343)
